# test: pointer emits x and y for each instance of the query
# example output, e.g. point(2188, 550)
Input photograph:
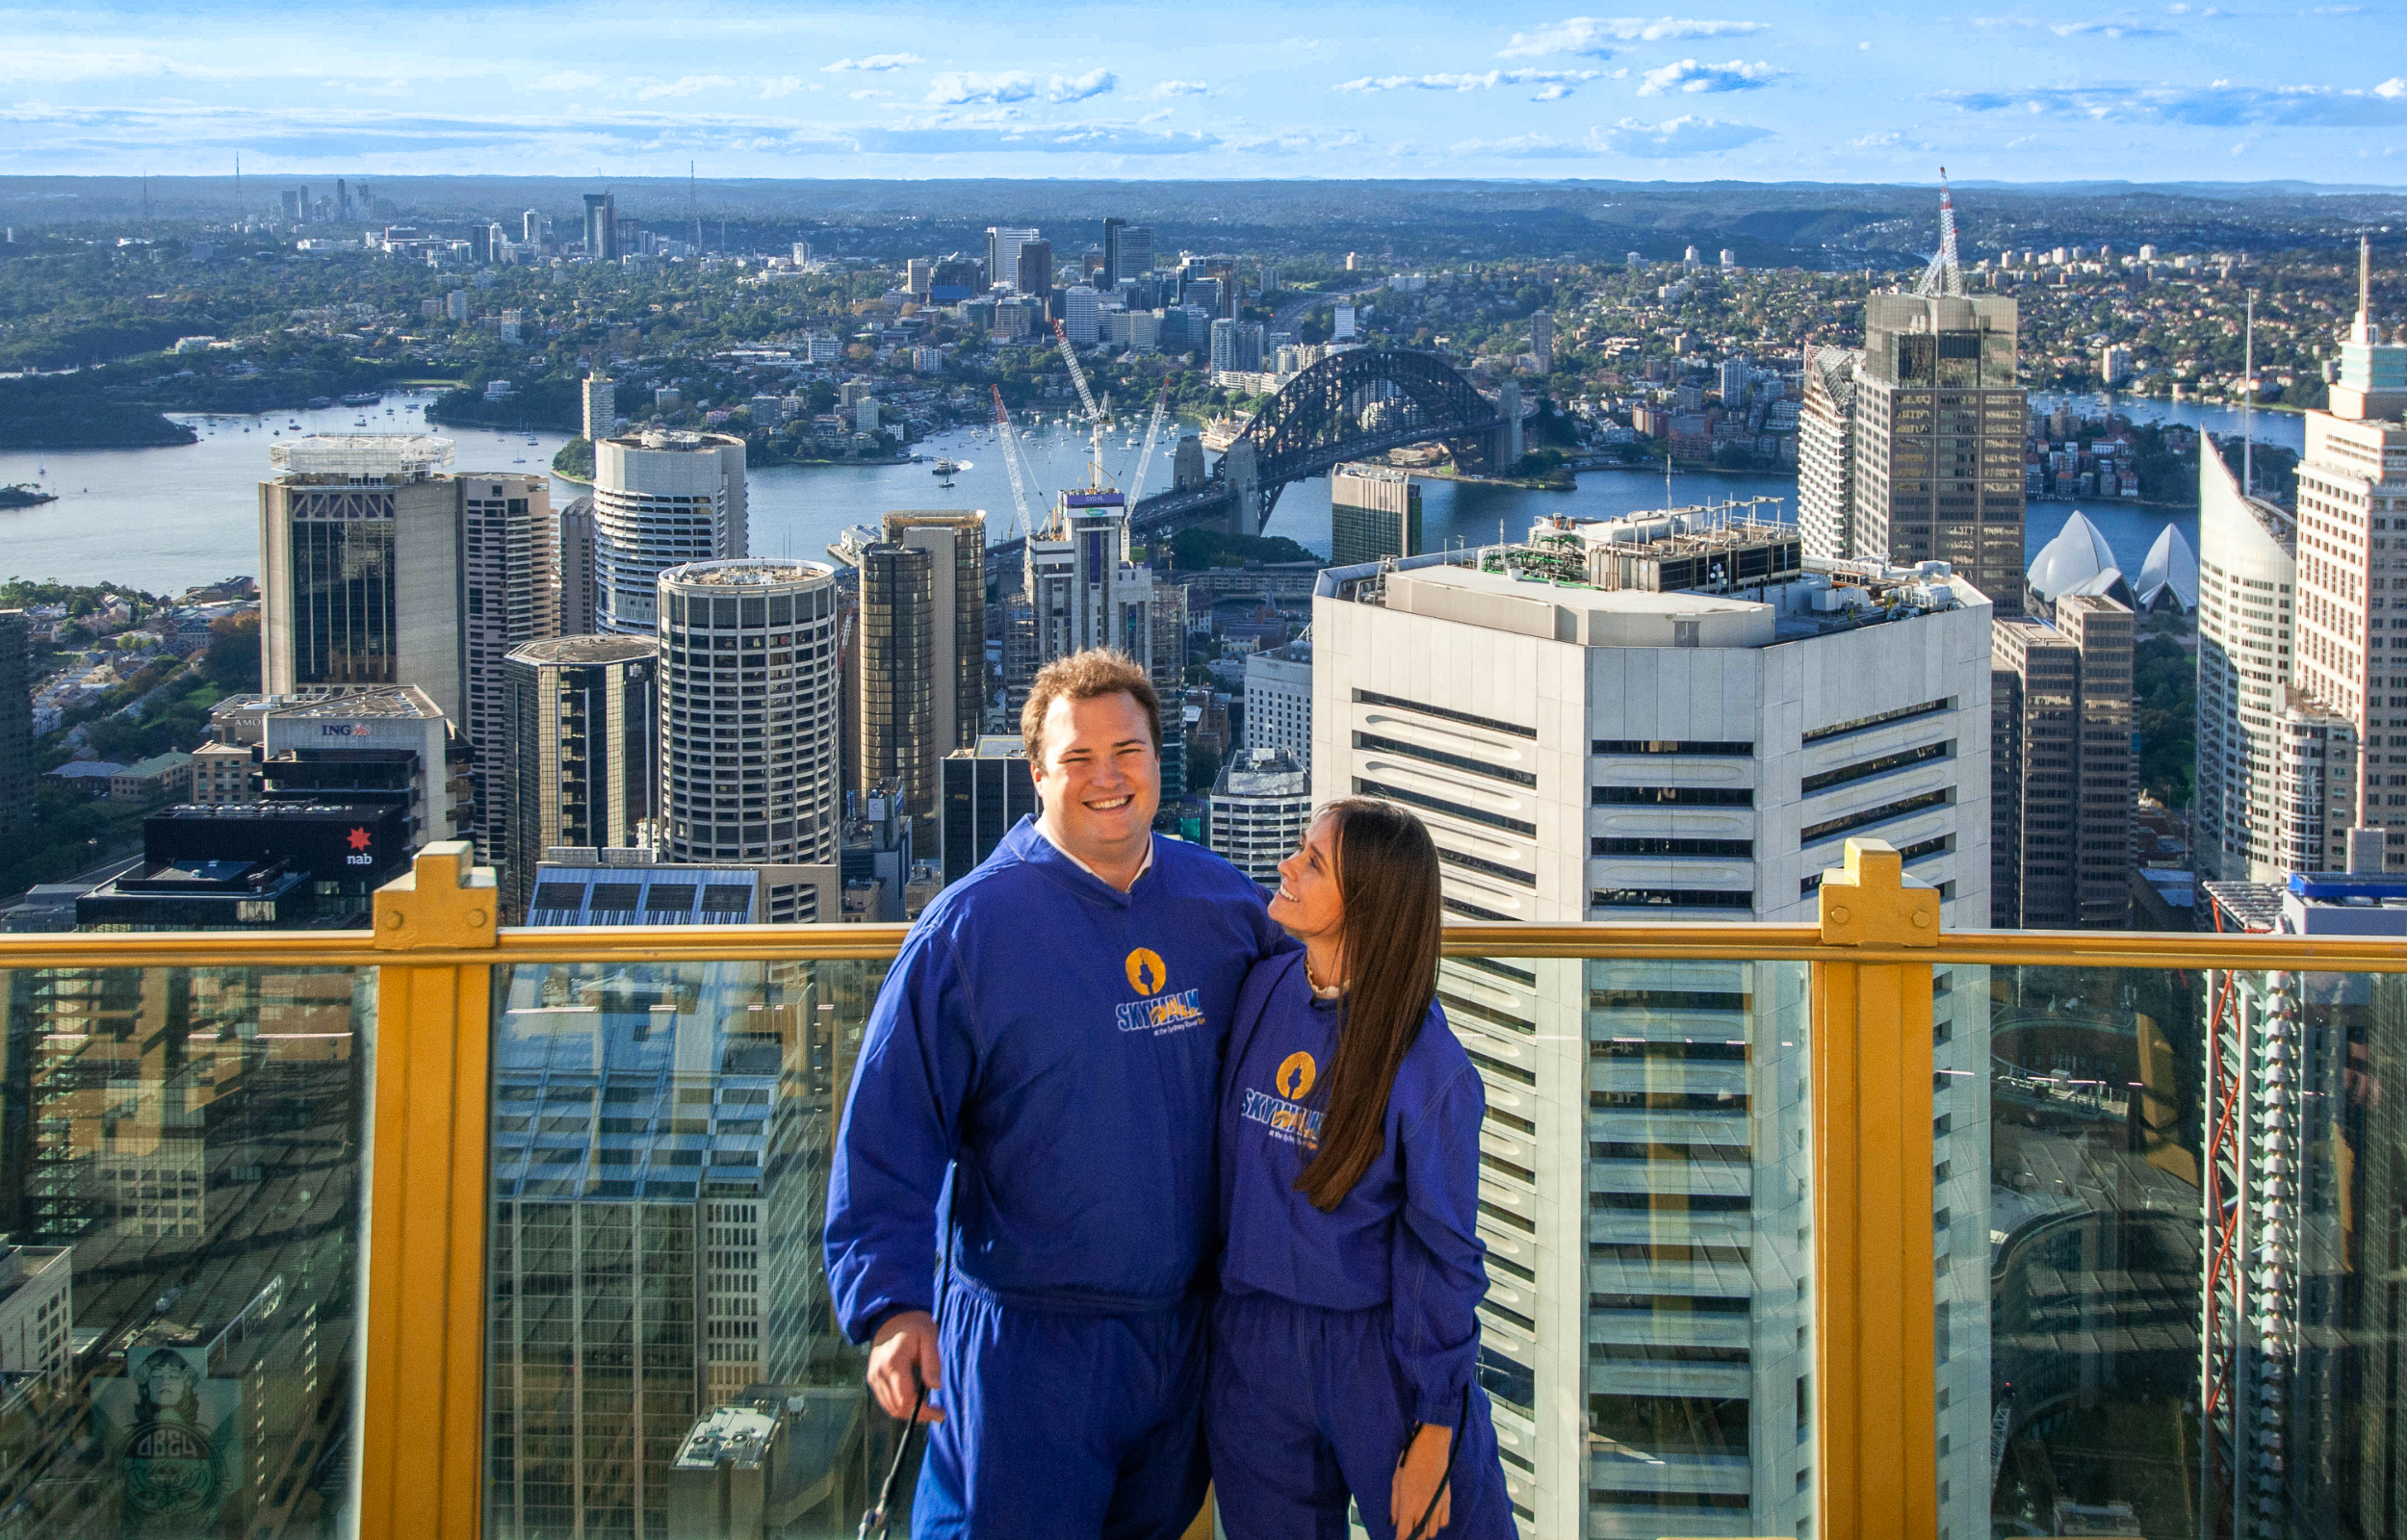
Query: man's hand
point(902, 1358)
point(1423, 1467)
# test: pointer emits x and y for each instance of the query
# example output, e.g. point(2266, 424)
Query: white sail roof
point(2169, 579)
point(2079, 561)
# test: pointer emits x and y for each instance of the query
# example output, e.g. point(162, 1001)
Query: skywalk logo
point(1164, 1013)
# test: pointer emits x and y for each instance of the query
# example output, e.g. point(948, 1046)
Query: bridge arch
point(1311, 425)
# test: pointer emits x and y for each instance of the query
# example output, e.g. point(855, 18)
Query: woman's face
point(1308, 904)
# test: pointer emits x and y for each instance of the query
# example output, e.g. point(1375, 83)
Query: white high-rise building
point(1825, 454)
point(659, 500)
point(1259, 808)
point(749, 712)
point(1081, 314)
point(2276, 772)
point(1588, 738)
point(1278, 699)
point(2352, 589)
point(598, 397)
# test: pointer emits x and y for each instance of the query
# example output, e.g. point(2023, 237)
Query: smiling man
point(1051, 1036)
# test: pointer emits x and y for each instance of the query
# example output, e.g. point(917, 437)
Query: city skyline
point(1743, 90)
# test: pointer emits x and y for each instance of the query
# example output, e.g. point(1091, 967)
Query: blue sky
point(1235, 88)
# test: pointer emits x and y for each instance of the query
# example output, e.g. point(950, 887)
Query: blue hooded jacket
point(1062, 1040)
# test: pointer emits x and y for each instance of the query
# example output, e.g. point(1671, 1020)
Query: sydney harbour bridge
point(1361, 403)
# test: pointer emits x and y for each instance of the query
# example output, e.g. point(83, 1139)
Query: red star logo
point(358, 838)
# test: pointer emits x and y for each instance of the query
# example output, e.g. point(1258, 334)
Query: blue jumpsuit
point(1055, 1045)
point(1338, 1333)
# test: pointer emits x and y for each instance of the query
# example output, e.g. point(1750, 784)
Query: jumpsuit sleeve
point(1439, 1277)
point(902, 1122)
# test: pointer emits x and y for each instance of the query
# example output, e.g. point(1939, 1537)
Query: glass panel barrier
point(1644, 1200)
point(662, 1359)
point(180, 1189)
point(2197, 1192)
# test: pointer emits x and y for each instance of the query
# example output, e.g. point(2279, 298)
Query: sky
point(1795, 90)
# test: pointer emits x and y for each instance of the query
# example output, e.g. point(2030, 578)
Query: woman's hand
point(1417, 1475)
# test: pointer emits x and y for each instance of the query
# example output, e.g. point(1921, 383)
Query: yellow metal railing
point(436, 942)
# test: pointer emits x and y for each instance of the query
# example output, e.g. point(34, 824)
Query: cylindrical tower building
point(749, 708)
point(660, 500)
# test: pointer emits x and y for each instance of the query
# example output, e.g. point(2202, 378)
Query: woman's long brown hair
point(1387, 941)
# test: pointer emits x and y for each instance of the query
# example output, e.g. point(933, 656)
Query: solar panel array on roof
point(606, 897)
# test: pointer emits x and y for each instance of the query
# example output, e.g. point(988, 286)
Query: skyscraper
point(598, 395)
point(986, 790)
point(1084, 590)
point(1939, 425)
point(2351, 482)
point(2276, 780)
point(1374, 511)
point(1033, 273)
point(660, 500)
point(1587, 735)
point(581, 720)
point(749, 711)
point(922, 687)
point(1003, 252)
point(361, 546)
point(1542, 339)
point(2061, 755)
point(601, 226)
point(1115, 236)
point(16, 723)
point(1259, 810)
point(577, 597)
point(1825, 454)
point(508, 571)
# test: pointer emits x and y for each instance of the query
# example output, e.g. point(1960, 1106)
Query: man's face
point(1101, 781)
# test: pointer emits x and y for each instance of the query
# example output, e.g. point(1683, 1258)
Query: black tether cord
point(1422, 1529)
point(879, 1520)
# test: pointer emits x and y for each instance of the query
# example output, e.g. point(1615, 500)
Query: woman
point(1344, 1341)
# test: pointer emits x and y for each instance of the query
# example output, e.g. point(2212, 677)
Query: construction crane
point(1086, 399)
point(1944, 276)
point(1026, 522)
point(1145, 456)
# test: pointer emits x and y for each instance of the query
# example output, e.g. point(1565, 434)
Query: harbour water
point(165, 519)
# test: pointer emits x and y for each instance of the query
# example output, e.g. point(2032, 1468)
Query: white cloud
point(958, 87)
point(873, 62)
point(570, 80)
point(1554, 92)
point(1695, 79)
point(1675, 137)
point(1484, 79)
point(2220, 105)
point(1178, 88)
point(785, 86)
point(684, 86)
point(1160, 115)
point(865, 95)
point(1081, 87)
point(1522, 146)
point(1595, 36)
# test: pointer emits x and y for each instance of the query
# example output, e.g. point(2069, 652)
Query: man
point(1050, 1034)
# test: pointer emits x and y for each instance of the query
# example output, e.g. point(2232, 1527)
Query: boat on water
point(359, 421)
point(945, 468)
point(362, 398)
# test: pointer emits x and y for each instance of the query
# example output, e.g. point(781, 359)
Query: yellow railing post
point(1876, 1371)
point(421, 1434)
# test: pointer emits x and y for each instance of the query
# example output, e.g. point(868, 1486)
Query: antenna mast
point(2248, 404)
point(1946, 274)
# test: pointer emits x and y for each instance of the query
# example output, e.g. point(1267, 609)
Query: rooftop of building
point(729, 1435)
point(256, 811)
point(399, 701)
point(159, 763)
point(587, 650)
point(1263, 773)
point(2314, 904)
point(363, 456)
point(995, 746)
point(749, 571)
point(1691, 578)
point(668, 441)
point(1367, 470)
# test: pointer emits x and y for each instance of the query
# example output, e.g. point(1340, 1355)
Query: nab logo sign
point(359, 839)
